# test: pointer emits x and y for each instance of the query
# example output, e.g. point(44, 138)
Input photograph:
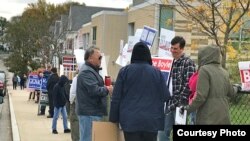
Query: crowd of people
point(142, 103)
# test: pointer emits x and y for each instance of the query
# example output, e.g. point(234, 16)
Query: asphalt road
point(5, 123)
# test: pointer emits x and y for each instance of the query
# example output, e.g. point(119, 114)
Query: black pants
point(140, 136)
point(14, 85)
point(51, 105)
point(42, 109)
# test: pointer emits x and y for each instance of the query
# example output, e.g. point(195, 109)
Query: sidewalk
point(29, 126)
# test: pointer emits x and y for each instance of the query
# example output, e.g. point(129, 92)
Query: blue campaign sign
point(34, 81)
point(148, 35)
point(44, 84)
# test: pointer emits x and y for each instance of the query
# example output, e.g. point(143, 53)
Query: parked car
point(3, 83)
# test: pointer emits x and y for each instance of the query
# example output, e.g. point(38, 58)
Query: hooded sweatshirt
point(213, 89)
point(59, 94)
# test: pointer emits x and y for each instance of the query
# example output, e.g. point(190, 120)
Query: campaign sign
point(165, 42)
point(245, 75)
point(148, 35)
point(122, 58)
point(44, 100)
point(44, 84)
point(164, 64)
point(34, 81)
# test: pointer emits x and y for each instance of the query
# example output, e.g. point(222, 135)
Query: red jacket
point(192, 86)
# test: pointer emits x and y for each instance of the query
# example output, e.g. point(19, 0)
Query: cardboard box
point(106, 131)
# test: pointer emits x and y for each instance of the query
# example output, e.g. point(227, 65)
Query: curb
point(15, 131)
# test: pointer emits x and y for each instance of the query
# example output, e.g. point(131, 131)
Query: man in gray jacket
point(91, 94)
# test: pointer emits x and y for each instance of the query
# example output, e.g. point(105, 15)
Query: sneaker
point(49, 116)
point(54, 132)
point(67, 131)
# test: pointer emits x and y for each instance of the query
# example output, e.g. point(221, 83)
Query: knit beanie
point(141, 52)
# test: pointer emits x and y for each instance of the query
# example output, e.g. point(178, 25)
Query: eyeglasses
point(100, 58)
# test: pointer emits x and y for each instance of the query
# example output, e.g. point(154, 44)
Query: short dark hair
point(89, 52)
point(180, 40)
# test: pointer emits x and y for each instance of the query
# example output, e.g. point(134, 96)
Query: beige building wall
point(86, 28)
point(111, 29)
point(141, 16)
point(145, 14)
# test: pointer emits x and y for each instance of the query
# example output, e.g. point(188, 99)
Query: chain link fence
point(240, 109)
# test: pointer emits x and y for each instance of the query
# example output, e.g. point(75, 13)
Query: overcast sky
point(9, 8)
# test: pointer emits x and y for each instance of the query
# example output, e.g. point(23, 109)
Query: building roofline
point(105, 12)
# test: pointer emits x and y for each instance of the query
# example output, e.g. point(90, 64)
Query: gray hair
point(90, 51)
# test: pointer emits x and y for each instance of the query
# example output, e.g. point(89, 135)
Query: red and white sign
point(245, 75)
point(165, 42)
point(164, 64)
point(69, 60)
point(69, 66)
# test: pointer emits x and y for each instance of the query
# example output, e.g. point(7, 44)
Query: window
point(94, 35)
point(85, 40)
point(166, 17)
point(70, 44)
point(131, 29)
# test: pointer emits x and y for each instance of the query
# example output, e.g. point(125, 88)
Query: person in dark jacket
point(138, 98)
point(91, 94)
point(52, 80)
point(59, 99)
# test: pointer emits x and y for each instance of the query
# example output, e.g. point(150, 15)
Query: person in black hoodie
point(138, 98)
point(52, 80)
point(59, 99)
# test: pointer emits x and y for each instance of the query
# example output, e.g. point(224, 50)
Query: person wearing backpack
point(59, 99)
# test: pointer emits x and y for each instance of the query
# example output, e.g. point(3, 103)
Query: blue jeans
point(169, 122)
point(192, 118)
point(85, 125)
point(57, 111)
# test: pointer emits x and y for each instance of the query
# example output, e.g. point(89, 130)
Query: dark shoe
point(67, 131)
point(54, 132)
point(41, 114)
point(49, 116)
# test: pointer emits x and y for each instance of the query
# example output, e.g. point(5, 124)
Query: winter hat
point(141, 52)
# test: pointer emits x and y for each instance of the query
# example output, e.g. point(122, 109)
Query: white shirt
point(72, 93)
point(171, 86)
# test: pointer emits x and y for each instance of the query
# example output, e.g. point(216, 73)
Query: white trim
point(87, 24)
point(157, 17)
point(71, 35)
point(109, 13)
